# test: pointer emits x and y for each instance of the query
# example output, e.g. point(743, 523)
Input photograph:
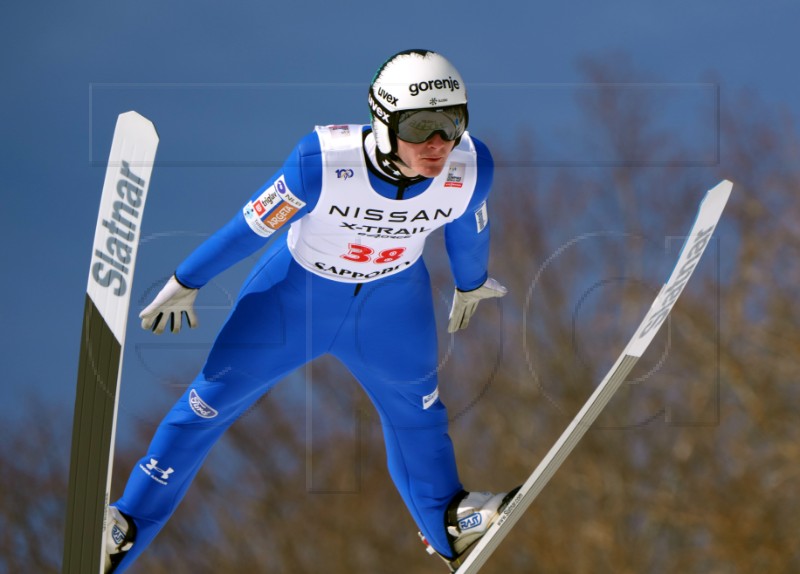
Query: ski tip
point(717, 197)
point(137, 121)
point(724, 187)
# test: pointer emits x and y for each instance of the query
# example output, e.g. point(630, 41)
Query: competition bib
point(354, 234)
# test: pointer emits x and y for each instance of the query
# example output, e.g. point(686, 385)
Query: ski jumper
point(349, 267)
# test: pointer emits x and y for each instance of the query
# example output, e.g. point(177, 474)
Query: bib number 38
point(363, 254)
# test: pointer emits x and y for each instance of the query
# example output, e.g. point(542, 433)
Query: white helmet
point(417, 81)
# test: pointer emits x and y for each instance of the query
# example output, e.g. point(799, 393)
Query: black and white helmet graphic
point(417, 80)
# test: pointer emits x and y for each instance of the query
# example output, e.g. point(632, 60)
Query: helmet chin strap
point(390, 164)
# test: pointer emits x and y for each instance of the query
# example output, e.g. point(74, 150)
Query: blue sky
point(232, 86)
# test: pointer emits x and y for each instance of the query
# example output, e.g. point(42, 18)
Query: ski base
point(91, 442)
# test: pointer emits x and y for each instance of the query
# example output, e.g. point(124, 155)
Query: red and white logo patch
point(272, 208)
point(455, 175)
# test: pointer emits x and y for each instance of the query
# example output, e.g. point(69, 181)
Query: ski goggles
point(417, 126)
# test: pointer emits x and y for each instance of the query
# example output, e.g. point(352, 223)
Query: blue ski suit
point(292, 309)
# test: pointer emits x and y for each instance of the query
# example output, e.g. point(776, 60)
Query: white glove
point(170, 305)
point(465, 303)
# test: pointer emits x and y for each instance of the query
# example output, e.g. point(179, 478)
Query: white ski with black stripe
point(105, 317)
point(695, 244)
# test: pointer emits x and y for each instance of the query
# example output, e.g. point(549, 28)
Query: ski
point(706, 221)
point(105, 316)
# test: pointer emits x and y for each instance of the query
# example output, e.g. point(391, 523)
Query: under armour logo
point(154, 466)
point(160, 475)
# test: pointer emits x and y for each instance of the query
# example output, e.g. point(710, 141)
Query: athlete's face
point(427, 158)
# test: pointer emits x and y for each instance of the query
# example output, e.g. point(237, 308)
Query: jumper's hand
point(465, 303)
point(171, 304)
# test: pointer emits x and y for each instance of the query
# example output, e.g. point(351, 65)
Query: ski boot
point(468, 517)
point(120, 533)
